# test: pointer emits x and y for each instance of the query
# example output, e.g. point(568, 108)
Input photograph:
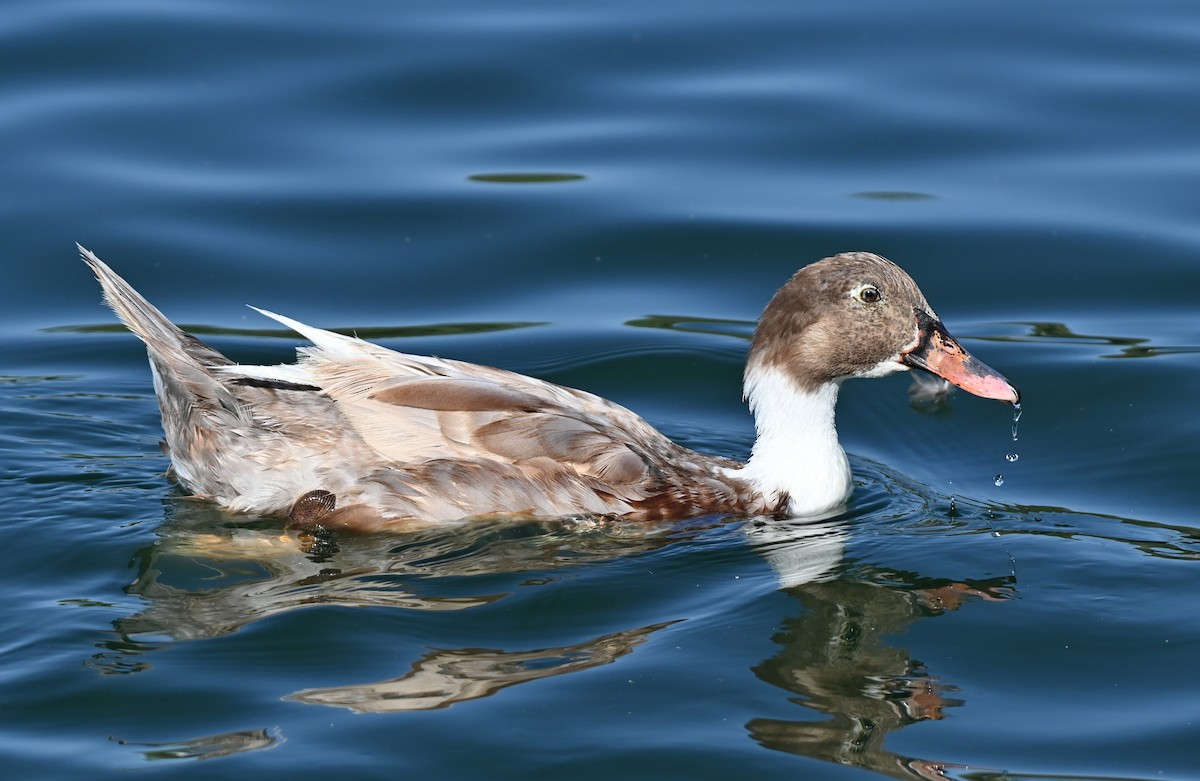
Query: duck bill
point(937, 352)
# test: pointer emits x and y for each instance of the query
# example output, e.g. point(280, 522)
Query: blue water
point(605, 195)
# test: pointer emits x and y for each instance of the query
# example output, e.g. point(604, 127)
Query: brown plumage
point(357, 436)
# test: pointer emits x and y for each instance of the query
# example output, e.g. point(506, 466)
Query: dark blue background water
point(383, 166)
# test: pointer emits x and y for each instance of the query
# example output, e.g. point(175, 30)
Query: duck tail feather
point(180, 361)
point(334, 345)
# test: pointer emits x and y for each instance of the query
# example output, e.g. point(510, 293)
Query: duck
point(354, 436)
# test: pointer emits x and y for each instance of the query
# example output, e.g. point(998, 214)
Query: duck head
point(860, 315)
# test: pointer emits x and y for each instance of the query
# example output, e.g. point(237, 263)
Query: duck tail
point(192, 398)
point(163, 339)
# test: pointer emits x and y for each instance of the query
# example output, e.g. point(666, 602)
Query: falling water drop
point(1010, 457)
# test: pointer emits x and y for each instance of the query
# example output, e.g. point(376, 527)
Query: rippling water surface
point(605, 195)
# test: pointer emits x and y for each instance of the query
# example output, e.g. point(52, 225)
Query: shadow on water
point(526, 178)
point(838, 658)
point(371, 333)
point(743, 330)
point(740, 329)
point(1127, 346)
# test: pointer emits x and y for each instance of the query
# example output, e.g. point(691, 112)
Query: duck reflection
point(443, 677)
point(799, 552)
point(208, 746)
point(203, 578)
point(835, 656)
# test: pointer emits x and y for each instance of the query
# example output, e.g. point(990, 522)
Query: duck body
point(357, 436)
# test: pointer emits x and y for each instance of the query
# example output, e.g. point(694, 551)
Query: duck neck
point(797, 463)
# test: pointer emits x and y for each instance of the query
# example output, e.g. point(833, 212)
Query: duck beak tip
point(939, 353)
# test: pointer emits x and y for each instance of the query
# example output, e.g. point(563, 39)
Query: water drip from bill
point(1010, 457)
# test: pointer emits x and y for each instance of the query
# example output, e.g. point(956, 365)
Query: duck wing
point(414, 409)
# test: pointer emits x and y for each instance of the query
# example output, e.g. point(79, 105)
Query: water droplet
point(998, 480)
point(1011, 457)
point(1016, 419)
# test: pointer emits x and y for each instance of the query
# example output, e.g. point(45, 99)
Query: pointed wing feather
point(413, 409)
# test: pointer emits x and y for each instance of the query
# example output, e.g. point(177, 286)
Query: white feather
point(797, 451)
point(335, 345)
point(286, 372)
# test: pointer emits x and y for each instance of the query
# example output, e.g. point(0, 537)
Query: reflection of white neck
point(797, 450)
point(800, 551)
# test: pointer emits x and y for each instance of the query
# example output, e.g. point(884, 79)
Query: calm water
point(604, 194)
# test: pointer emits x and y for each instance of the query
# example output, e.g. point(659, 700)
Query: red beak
point(937, 352)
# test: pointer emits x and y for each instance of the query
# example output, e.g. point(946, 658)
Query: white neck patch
point(797, 452)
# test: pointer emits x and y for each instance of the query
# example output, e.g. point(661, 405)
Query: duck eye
point(868, 294)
